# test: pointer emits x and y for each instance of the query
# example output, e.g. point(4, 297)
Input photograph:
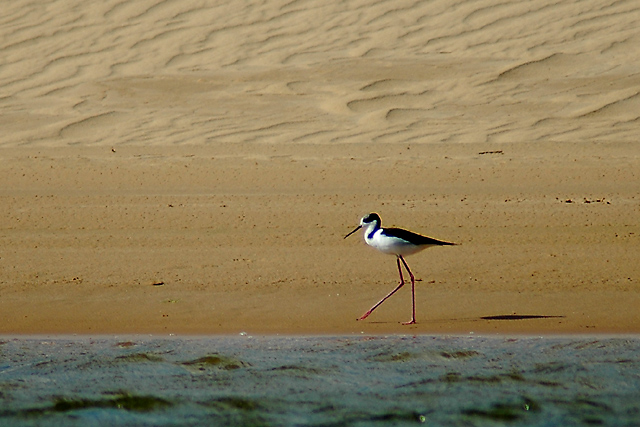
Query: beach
point(192, 168)
point(177, 179)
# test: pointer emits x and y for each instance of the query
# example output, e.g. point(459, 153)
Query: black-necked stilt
point(398, 242)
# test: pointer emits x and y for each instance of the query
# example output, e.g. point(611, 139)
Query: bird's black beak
point(356, 229)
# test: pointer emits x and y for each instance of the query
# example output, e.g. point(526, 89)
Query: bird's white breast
point(391, 245)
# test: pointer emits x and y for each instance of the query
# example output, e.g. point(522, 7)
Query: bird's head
point(370, 220)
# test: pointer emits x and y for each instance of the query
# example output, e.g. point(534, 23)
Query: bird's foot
point(364, 316)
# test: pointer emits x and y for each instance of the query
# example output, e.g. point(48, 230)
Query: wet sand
point(171, 240)
point(173, 167)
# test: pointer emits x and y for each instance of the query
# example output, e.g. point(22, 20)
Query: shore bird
point(398, 242)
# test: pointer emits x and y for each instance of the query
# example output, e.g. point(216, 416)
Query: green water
point(320, 381)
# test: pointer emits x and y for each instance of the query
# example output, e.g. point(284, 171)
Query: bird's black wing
point(415, 238)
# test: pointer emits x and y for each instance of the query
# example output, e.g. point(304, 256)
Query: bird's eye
point(372, 217)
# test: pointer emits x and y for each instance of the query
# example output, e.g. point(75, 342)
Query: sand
point(192, 167)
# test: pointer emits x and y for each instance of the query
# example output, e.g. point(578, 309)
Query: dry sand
point(224, 150)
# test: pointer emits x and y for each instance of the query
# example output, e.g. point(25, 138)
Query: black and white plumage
point(398, 242)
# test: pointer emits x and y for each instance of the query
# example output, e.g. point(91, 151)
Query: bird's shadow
point(491, 317)
point(520, 317)
point(505, 317)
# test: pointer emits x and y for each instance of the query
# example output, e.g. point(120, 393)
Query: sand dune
point(223, 148)
point(176, 72)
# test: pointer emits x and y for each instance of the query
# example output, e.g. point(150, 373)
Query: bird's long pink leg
point(364, 316)
point(413, 292)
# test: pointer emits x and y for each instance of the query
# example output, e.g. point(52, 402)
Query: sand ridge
point(170, 72)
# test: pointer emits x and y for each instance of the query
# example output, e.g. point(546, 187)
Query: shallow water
point(320, 381)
